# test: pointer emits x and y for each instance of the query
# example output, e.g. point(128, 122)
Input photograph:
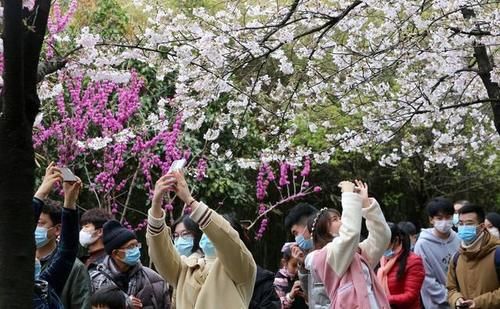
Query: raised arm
point(52, 176)
point(158, 236)
point(60, 266)
point(379, 233)
point(230, 250)
point(341, 250)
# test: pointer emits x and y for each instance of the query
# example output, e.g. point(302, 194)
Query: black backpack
point(45, 297)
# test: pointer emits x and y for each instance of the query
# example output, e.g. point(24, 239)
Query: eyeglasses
point(182, 234)
point(132, 246)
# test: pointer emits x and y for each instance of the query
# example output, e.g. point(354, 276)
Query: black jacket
point(264, 296)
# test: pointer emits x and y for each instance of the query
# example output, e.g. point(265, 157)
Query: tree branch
point(485, 67)
point(33, 42)
point(50, 67)
point(277, 27)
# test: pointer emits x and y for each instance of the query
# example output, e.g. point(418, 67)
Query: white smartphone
point(68, 174)
point(177, 165)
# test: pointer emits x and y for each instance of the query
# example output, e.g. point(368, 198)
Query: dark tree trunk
point(485, 66)
point(19, 107)
point(493, 89)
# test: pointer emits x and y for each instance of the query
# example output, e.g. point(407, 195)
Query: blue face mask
point(38, 269)
point(132, 256)
point(304, 244)
point(41, 238)
point(467, 233)
point(455, 219)
point(184, 245)
point(389, 253)
point(207, 246)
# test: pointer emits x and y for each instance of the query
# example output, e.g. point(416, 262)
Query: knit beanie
point(114, 235)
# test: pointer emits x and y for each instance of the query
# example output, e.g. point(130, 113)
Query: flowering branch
point(131, 187)
point(266, 177)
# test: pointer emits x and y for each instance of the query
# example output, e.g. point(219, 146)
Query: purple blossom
point(201, 169)
point(284, 174)
point(307, 168)
point(168, 207)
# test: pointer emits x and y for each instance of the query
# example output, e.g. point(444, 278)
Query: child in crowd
point(286, 281)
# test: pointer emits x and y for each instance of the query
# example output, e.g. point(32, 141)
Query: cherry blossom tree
point(386, 79)
point(414, 78)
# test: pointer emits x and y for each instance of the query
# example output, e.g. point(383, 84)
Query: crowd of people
point(203, 259)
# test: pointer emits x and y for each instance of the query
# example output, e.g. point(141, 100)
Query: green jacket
point(77, 290)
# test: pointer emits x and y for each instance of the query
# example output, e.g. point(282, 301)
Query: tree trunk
point(19, 106)
point(493, 89)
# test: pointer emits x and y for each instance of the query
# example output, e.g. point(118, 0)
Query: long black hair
point(398, 235)
point(193, 228)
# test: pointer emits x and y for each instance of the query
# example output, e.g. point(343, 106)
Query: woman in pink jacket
point(345, 265)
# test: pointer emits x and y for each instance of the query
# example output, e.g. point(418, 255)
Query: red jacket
point(405, 293)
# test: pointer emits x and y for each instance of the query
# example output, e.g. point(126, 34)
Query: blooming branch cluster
point(265, 177)
point(386, 79)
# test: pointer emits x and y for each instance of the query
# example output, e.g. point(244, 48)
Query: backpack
point(45, 297)
point(497, 262)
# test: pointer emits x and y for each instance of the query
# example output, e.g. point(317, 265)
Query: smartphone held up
point(177, 165)
point(68, 175)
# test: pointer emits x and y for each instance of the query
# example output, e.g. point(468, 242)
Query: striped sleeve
point(282, 288)
point(202, 215)
point(156, 225)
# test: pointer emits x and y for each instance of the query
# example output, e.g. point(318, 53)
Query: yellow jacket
point(224, 282)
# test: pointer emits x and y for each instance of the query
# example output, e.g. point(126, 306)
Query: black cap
point(114, 235)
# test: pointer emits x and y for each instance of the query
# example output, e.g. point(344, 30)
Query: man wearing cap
point(122, 268)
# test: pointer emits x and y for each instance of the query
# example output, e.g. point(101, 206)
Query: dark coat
point(140, 281)
point(264, 296)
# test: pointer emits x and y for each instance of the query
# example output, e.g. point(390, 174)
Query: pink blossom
point(284, 174)
point(201, 169)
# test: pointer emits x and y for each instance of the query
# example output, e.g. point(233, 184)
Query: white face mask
point(443, 226)
point(86, 238)
point(494, 231)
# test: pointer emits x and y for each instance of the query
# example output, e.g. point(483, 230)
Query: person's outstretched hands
point(163, 185)
point(181, 187)
point(362, 189)
point(52, 176)
point(71, 191)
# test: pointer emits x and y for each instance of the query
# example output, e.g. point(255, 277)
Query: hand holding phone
point(68, 175)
